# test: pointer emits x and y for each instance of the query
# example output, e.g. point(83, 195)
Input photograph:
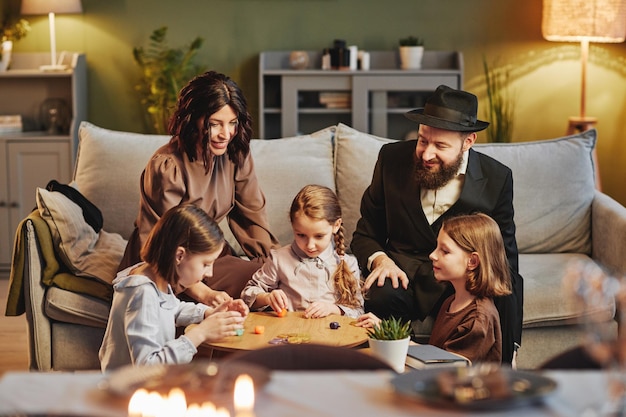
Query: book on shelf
point(10, 124)
point(337, 100)
point(430, 356)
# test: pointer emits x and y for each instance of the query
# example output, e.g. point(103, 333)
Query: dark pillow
point(91, 213)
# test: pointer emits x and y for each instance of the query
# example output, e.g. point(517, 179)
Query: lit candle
point(244, 396)
point(176, 403)
point(152, 404)
point(137, 402)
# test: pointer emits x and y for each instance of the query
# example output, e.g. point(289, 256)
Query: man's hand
point(384, 267)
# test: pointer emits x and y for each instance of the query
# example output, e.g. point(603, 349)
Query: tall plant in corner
point(164, 71)
point(500, 104)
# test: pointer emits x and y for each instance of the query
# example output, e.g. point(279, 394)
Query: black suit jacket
point(392, 221)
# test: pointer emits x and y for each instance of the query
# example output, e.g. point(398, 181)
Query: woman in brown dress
point(208, 163)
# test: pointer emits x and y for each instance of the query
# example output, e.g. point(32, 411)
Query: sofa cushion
point(70, 307)
point(547, 301)
point(284, 166)
point(553, 187)
point(108, 170)
point(85, 252)
point(356, 154)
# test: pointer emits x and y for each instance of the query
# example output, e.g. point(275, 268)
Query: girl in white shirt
point(179, 252)
point(313, 273)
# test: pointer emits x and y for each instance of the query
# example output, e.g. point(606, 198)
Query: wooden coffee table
point(295, 324)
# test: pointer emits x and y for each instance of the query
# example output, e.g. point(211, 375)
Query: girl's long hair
point(186, 226)
point(480, 233)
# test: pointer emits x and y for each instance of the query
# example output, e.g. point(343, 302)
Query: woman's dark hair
point(203, 96)
point(187, 226)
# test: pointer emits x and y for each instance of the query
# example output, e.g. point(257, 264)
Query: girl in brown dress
point(470, 256)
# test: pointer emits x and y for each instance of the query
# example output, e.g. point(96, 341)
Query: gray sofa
point(560, 218)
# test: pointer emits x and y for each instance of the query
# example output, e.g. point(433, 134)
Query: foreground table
point(293, 323)
point(302, 394)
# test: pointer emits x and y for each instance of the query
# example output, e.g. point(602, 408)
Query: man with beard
point(416, 185)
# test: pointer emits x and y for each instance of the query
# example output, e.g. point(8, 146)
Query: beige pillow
point(85, 252)
point(283, 166)
point(356, 154)
point(108, 171)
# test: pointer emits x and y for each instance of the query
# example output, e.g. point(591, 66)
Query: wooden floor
point(13, 337)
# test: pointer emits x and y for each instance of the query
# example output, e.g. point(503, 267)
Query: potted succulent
point(411, 52)
point(389, 341)
point(11, 30)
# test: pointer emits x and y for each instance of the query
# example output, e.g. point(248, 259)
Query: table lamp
point(50, 7)
point(584, 21)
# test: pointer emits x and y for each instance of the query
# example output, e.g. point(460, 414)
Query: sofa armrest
point(608, 231)
point(40, 331)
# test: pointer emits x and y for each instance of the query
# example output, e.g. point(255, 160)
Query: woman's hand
point(318, 309)
point(367, 320)
point(214, 298)
point(239, 306)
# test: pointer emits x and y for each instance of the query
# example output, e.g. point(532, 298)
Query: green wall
point(545, 76)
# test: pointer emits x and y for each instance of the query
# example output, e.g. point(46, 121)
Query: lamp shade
point(55, 6)
point(577, 20)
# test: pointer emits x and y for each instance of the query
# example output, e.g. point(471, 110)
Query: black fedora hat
point(449, 109)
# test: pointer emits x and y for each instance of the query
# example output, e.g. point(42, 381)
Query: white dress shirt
point(438, 201)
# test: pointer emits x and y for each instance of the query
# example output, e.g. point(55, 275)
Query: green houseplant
point(411, 41)
point(390, 329)
point(500, 109)
point(164, 71)
point(12, 30)
point(389, 341)
point(411, 52)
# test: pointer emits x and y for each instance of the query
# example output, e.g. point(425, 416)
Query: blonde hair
point(187, 226)
point(320, 203)
point(480, 233)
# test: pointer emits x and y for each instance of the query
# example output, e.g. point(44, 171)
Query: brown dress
point(473, 332)
point(170, 179)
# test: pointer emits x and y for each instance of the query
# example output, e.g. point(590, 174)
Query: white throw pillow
point(85, 252)
point(284, 166)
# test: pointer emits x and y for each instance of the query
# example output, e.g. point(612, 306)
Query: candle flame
point(152, 404)
point(244, 393)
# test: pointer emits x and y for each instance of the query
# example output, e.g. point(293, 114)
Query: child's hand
point(319, 309)
point(218, 325)
point(367, 320)
point(278, 300)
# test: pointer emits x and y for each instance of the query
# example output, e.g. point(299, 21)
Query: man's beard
point(433, 180)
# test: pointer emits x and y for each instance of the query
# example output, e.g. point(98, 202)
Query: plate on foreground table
point(198, 378)
point(515, 388)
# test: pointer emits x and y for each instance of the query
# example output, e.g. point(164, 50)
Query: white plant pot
point(5, 55)
point(411, 57)
point(391, 351)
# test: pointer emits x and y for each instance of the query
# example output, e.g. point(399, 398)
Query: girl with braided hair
point(313, 273)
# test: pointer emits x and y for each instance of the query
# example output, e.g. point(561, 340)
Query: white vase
point(391, 351)
point(411, 57)
point(5, 55)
